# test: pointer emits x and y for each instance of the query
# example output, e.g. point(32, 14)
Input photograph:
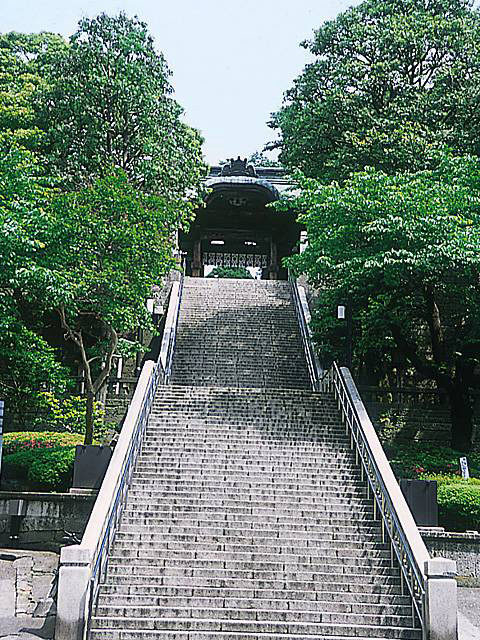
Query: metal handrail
point(91, 555)
point(315, 371)
point(100, 556)
point(397, 522)
point(160, 375)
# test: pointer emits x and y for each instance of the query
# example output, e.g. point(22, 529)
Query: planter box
point(90, 466)
point(421, 497)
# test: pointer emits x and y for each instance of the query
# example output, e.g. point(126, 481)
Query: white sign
point(464, 468)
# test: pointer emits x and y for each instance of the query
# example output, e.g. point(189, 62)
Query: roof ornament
point(238, 167)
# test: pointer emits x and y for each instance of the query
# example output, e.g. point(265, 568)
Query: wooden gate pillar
point(273, 267)
point(197, 266)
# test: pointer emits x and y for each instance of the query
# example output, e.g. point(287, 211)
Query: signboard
point(464, 468)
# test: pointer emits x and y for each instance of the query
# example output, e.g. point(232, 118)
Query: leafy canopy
point(27, 361)
point(404, 250)
point(392, 81)
point(111, 104)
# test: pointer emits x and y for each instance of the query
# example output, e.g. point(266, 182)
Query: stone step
point(357, 536)
point(334, 573)
point(115, 634)
point(207, 626)
point(247, 472)
point(347, 595)
point(336, 514)
point(151, 481)
point(312, 549)
point(162, 558)
point(280, 508)
point(393, 605)
point(148, 612)
point(232, 498)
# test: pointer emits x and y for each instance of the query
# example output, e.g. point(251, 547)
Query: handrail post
point(73, 592)
point(440, 600)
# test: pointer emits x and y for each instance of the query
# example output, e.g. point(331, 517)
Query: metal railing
point(303, 316)
point(397, 524)
point(398, 528)
point(83, 566)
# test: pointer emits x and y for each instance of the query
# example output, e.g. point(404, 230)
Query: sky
point(232, 61)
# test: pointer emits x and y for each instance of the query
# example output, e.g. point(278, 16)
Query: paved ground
point(469, 613)
point(26, 628)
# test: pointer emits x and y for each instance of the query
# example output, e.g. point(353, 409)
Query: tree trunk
point(89, 417)
point(461, 413)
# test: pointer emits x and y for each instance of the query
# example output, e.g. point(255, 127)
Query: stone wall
point(464, 548)
point(407, 422)
point(27, 583)
point(48, 517)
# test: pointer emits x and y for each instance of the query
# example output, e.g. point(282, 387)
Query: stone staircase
point(239, 333)
point(246, 517)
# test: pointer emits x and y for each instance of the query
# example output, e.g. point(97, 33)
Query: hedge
point(458, 502)
point(39, 461)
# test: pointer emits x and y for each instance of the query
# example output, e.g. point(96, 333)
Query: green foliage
point(404, 253)
point(458, 502)
point(458, 499)
point(25, 64)
point(27, 361)
point(67, 415)
point(260, 159)
point(230, 272)
point(33, 440)
point(418, 458)
point(39, 461)
point(100, 114)
point(111, 104)
point(41, 470)
point(391, 82)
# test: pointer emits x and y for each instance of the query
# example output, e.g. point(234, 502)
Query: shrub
point(67, 414)
point(41, 469)
point(29, 440)
point(39, 461)
point(458, 502)
point(230, 272)
point(410, 461)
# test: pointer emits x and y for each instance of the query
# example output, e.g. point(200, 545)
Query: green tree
point(27, 361)
point(230, 272)
point(405, 251)
point(26, 61)
point(108, 243)
point(392, 81)
point(111, 104)
point(260, 159)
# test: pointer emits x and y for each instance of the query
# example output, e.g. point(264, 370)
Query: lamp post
point(344, 312)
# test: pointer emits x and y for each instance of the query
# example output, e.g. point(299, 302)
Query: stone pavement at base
point(27, 628)
point(469, 613)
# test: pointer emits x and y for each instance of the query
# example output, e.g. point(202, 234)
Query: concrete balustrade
point(77, 561)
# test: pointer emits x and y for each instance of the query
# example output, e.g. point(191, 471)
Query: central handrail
point(83, 566)
point(302, 311)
